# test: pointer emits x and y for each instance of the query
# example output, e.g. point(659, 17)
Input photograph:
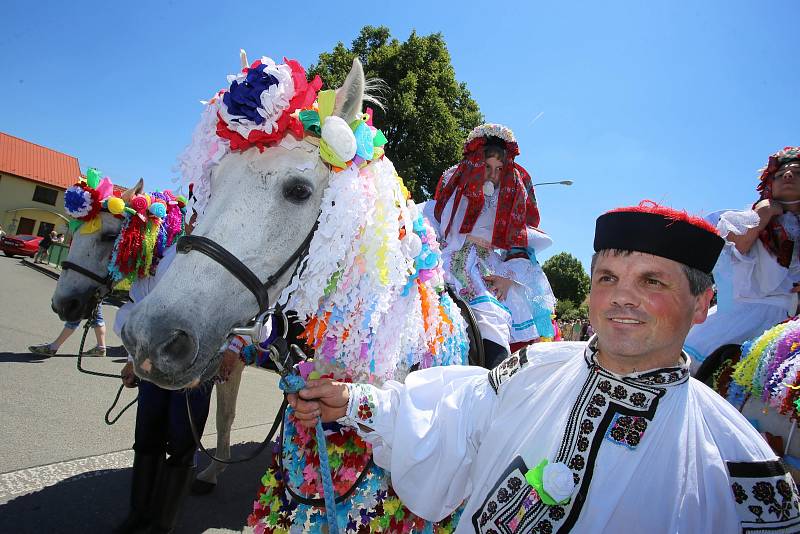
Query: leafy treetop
point(427, 114)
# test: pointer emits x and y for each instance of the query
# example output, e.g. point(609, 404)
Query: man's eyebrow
point(602, 270)
point(655, 274)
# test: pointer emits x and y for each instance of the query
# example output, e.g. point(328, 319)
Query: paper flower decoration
point(257, 109)
point(78, 201)
point(339, 137)
point(553, 482)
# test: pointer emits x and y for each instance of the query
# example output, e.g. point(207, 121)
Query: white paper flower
point(557, 481)
point(339, 137)
point(492, 130)
point(412, 245)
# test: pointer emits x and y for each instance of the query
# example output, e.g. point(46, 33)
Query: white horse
point(77, 292)
point(261, 205)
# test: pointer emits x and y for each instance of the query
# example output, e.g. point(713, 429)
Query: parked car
point(22, 245)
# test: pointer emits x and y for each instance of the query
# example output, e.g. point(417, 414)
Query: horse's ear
point(135, 190)
point(350, 95)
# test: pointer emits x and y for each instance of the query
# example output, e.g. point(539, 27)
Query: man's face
point(493, 168)
point(786, 182)
point(641, 308)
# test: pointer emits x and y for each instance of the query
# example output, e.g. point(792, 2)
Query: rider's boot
point(173, 486)
point(145, 472)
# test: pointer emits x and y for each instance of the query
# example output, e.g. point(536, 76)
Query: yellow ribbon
point(328, 155)
point(92, 225)
point(326, 101)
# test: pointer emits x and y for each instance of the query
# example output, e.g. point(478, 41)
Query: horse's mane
point(375, 90)
point(368, 287)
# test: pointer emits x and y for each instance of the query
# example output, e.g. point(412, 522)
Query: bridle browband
point(242, 272)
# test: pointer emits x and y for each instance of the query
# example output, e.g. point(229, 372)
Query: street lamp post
point(562, 182)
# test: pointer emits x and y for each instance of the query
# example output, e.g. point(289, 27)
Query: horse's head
point(261, 206)
point(76, 291)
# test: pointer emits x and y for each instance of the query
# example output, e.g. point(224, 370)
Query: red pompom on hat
point(660, 231)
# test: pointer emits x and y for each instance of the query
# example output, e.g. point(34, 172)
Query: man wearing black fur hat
point(606, 436)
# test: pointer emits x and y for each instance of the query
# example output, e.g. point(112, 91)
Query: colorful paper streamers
point(770, 368)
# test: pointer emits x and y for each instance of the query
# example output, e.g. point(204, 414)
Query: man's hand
point(323, 397)
point(128, 376)
point(229, 359)
point(499, 284)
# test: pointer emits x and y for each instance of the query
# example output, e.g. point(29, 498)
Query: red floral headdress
point(516, 208)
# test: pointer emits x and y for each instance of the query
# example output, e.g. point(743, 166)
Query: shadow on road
point(96, 501)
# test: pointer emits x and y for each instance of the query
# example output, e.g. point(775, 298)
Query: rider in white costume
point(489, 244)
point(759, 268)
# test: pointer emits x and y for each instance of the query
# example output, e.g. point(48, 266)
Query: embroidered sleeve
point(236, 344)
point(362, 408)
point(508, 368)
point(766, 496)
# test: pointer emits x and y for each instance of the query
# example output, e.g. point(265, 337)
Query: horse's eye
point(108, 237)
point(297, 192)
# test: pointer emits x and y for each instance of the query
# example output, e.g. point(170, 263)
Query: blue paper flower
point(77, 201)
point(244, 98)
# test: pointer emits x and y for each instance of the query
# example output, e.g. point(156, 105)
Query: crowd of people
point(606, 432)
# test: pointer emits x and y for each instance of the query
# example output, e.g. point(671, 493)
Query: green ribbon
point(310, 120)
point(92, 177)
point(534, 477)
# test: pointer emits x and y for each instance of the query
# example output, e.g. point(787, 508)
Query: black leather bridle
point(106, 282)
point(242, 272)
point(260, 291)
point(102, 280)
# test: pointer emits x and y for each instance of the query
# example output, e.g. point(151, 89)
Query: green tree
point(567, 278)
point(567, 312)
point(427, 115)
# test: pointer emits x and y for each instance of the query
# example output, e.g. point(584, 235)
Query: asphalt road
point(62, 469)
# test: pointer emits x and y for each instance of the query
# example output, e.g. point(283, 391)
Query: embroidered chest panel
point(766, 496)
point(608, 408)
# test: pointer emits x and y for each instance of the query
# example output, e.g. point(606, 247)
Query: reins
point(105, 375)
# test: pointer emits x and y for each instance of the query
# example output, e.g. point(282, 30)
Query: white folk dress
point(525, 313)
point(654, 452)
point(753, 290)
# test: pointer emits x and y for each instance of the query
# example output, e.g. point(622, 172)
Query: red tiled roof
point(37, 163)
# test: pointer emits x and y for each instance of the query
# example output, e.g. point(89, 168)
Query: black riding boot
point(173, 485)
point(493, 353)
point(143, 478)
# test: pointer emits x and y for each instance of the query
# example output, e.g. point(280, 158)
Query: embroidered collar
point(666, 376)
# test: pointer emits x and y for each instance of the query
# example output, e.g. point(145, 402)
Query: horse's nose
point(177, 352)
point(68, 309)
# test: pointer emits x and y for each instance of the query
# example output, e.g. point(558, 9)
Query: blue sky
point(675, 101)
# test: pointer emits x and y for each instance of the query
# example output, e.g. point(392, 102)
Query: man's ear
point(701, 305)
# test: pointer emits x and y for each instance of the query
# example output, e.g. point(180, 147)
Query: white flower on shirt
point(557, 481)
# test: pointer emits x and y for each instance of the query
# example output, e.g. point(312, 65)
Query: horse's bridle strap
point(68, 265)
point(242, 272)
point(231, 263)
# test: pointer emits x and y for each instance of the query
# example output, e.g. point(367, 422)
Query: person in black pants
point(164, 450)
point(164, 447)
